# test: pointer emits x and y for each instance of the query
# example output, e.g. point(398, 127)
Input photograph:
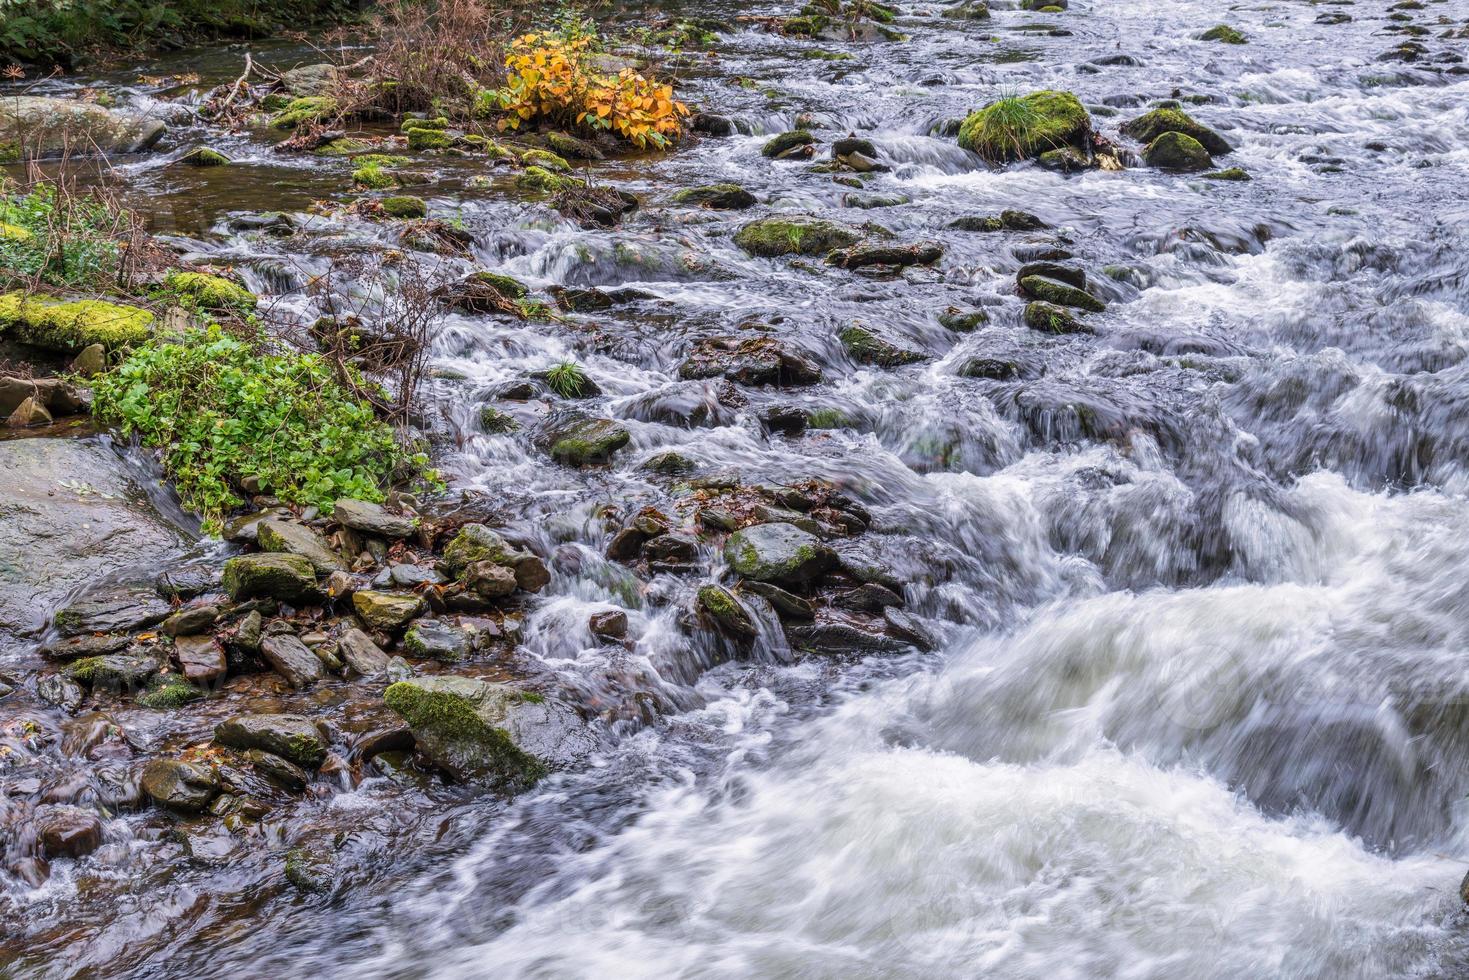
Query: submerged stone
point(716, 197)
point(870, 347)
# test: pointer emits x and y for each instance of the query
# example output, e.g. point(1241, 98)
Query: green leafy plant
point(220, 409)
point(567, 379)
point(59, 239)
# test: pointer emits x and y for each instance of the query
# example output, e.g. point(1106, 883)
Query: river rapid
point(1200, 578)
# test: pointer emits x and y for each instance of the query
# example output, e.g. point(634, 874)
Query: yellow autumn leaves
point(550, 78)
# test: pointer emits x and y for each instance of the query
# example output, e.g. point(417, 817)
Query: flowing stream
point(1201, 578)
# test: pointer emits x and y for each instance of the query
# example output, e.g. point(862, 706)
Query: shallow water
point(1200, 707)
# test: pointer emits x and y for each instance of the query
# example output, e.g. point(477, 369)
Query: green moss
point(1061, 293)
point(429, 139)
point(373, 177)
point(413, 122)
point(308, 109)
point(506, 286)
point(209, 292)
point(546, 159)
point(808, 26)
point(1230, 173)
point(404, 206)
point(782, 142)
point(497, 422)
point(451, 719)
point(1176, 151)
point(1051, 319)
point(1150, 125)
point(9, 152)
point(69, 326)
point(203, 156)
point(1022, 127)
point(173, 692)
point(827, 418)
point(543, 180)
point(345, 147)
point(869, 348)
point(1224, 34)
point(771, 237)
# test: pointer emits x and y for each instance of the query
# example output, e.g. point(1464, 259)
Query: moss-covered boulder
point(289, 537)
point(579, 440)
point(53, 127)
point(203, 156)
point(176, 785)
point(783, 143)
point(716, 197)
point(1176, 151)
point(778, 552)
point(289, 578)
point(1023, 127)
point(404, 206)
point(411, 123)
point(871, 347)
point(572, 148)
point(292, 737)
point(423, 138)
point(1061, 293)
point(386, 611)
point(772, 237)
point(1150, 125)
point(546, 159)
point(489, 733)
point(209, 292)
point(308, 109)
point(113, 671)
point(545, 181)
point(476, 542)
point(726, 613)
point(1223, 34)
point(434, 639)
point(71, 325)
point(1049, 318)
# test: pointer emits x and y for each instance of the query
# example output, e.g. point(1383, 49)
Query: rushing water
point(1202, 580)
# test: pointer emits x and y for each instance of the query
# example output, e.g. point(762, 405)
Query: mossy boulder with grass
point(415, 122)
point(773, 237)
point(1049, 318)
point(1224, 34)
point(1177, 151)
point(374, 177)
point(1150, 125)
point(203, 156)
point(481, 732)
point(1023, 127)
point(545, 181)
point(71, 325)
point(404, 206)
point(429, 139)
point(310, 109)
point(209, 292)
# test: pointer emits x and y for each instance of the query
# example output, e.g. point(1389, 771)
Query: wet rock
point(869, 347)
point(184, 786)
point(716, 197)
point(433, 639)
point(63, 692)
point(475, 543)
point(386, 611)
point(783, 143)
point(373, 519)
point(169, 691)
point(1049, 318)
point(51, 127)
point(578, 439)
point(292, 737)
point(286, 537)
point(869, 597)
point(610, 623)
point(1151, 125)
point(711, 124)
point(1064, 159)
point(869, 253)
point(1070, 275)
point(779, 553)
point(292, 659)
point(1229, 173)
point(113, 671)
point(726, 613)
point(279, 771)
point(751, 361)
point(249, 632)
point(120, 609)
point(489, 580)
point(203, 156)
point(967, 10)
point(1224, 34)
point(243, 529)
point(840, 638)
point(189, 621)
point(69, 832)
point(28, 412)
point(1060, 293)
point(483, 732)
point(1008, 220)
point(1175, 151)
point(310, 80)
point(589, 301)
point(626, 544)
point(1027, 126)
point(311, 869)
point(906, 628)
point(89, 645)
point(361, 654)
point(200, 658)
point(675, 547)
point(289, 578)
point(786, 604)
point(774, 237)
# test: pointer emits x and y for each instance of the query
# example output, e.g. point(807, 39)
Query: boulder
point(1060, 293)
point(1049, 318)
point(72, 325)
point(435, 639)
point(842, 637)
point(289, 578)
point(386, 611)
point(292, 737)
point(113, 671)
point(200, 658)
point(871, 347)
point(478, 731)
point(578, 439)
point(373, 519)
point(310, 80)
point(1177, 151)
point(774, 237)
point(292, 659)
point(53, 127)
point(476, 543)
point(726, 613)
point(1150, 125)
point(361, 654)
point(610, 623)
point(716, 197)
point(751, 361)
point(781, 144)
point(870, 253)
point(780, 553)
point(1024, 127)
point(115, 609)
point(69, 833)
point(290, 538)
point(185, 786)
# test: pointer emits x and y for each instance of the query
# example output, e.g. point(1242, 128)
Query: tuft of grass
point(567, 379)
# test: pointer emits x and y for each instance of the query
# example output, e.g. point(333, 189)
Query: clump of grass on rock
point(1021, 127)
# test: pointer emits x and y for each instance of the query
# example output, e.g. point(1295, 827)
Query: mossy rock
point(165, 694)
point(15, 233)
point(586, 441)
point(785, 142)
point(432, 639)
point(967, 10)
point(546, 159)
point(386, 611)
point(726, 613)
point(373, 177)
point(310, 109)
point(546, 182)
point(413, 122)
point(572, 148)
point(482, 732)
point(69, 326)
point(1027, 126)
point(1229, 173)
point(869, 347)
point(507, 286)
point(1177, 151)
point(963, 321)
point(210, 292)
point(294, 738)
point(113, 671)
point(405, 206)
point(347, 146)
point(289, 578)
point(1061, 293)
point(716, 197)
point(1150, 125)
point(1224, 34)
point(475, 543)
point(773, 237)
point(203, 156)
point(778, 552)
point(429, 139)
point(1049, 318)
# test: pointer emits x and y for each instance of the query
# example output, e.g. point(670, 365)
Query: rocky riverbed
point(870, 543)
